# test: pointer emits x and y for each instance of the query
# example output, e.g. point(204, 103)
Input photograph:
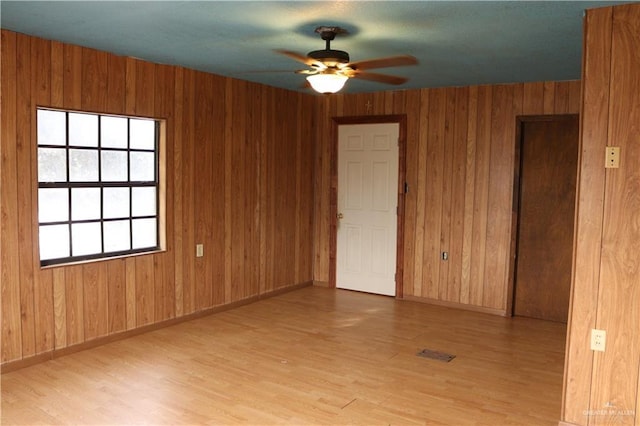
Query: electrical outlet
point(612, 157)
point(598, 340)
point(199, 250)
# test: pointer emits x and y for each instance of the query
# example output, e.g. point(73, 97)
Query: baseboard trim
point(321, 284)
point(562, 423)
point(455, 305)
point(103, 340)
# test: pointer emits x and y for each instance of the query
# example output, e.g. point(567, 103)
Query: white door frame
point(333, 199)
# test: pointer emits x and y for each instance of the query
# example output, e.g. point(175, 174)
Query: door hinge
point(406, 188)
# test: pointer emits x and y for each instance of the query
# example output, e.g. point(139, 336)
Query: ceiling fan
point(330, 69)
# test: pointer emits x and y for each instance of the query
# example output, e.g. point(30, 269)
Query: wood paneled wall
point(460, 172)
point(604, 387)
point(239, 179)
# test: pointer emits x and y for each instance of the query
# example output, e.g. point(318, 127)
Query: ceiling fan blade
point(300, 58)
point(391, 61)
point(380, 78)
point(307, 72)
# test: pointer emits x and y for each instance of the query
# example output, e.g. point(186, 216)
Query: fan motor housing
point(330, 56)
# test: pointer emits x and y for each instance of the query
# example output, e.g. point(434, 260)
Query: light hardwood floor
point(312, 356)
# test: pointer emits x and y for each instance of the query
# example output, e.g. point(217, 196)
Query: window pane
point(86, 238)
point(143, 201)
point(116, 202)
point(90, 168)
point(114, 166)
point(85, 203)
point(83, 129)
point(83, 165)
point(113, 132)
point(142, 166)
point(53, 204)
point(52, 127)
point(116, 236)
point(54, 241)
point(143, 134)
point(144, 233)
point(52, 165)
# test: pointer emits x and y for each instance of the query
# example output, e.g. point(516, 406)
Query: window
point(98, 185)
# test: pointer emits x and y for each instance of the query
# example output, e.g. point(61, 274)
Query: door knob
point(340, 216)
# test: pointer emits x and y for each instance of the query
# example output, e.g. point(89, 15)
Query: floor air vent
point(440, 356)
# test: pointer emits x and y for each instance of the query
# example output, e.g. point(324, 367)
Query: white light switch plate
point(199, 250)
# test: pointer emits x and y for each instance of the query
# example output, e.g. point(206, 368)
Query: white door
point(367, 207)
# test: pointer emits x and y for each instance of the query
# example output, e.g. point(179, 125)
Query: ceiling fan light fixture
point(327, 83)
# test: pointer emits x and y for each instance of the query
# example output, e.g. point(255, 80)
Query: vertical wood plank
point(74, 293)
point(501, 166)
point(176, 174)
point(159, 286)
point(549, 97)
point(444, 284)
point(217, 267)
point(144, 290)
point(306, 187)
point(533, 102)
point(252, 253)
point(94, 80)
point(458, 206)
point(481, 195)
point(130, 292)
point(116, 84)
point(57, 74)
point(469, 196)
point(410, 214)
point(434, 196)
point(60, 307)
point(574, 96)
point(72, 80)
point(562, 98)
point(188, 200)
point(164, 263)
point(96, 305)
point(117, 295)
point(203, 192)
point(130, 86)
point(421, 196)
point(263, 159)
point(24, 114)
point(42, 279)
point(216, 270)
point(233, 191)
point(270, 199)
point(10, 271)
point(256, 177)
point(298, 196)
point(145, 80)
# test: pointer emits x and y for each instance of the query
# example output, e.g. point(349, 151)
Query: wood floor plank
point(312, 356)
